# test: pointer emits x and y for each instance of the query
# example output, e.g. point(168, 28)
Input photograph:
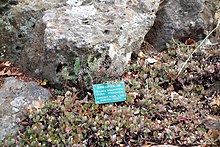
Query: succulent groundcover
point(163, 106)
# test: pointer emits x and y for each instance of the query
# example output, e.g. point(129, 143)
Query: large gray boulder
point(15, 97)
point(181, 19)
point(57, 33)
point(17, 23)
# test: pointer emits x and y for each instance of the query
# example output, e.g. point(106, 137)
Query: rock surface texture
point(17, 23)
point(46, 35)
point(15, 97)
point(181, 19)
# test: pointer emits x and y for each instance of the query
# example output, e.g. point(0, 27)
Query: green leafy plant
point(76, 70)
point(94, 72)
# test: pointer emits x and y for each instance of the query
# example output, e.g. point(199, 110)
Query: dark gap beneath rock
point(133, 56)
point(60, 67)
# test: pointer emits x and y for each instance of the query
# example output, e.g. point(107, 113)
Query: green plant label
point(109, 92)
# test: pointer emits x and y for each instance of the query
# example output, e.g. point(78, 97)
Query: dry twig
point(197, 48)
